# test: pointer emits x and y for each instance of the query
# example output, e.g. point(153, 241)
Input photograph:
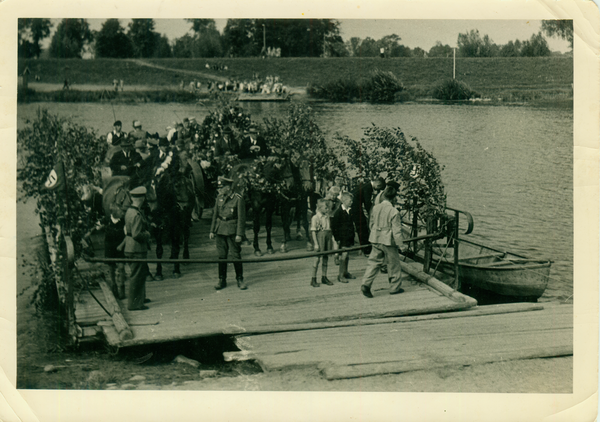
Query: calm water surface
point(510, 167)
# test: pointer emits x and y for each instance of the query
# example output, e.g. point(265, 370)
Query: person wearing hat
point(228, 227)
point(152, 148)
point(253, 145)
point(140, 147)
point(386, 238)
point(165, 159)
point(226, 144)
point(125, 161)
point(137, 244)
point(361, 208)
point(392, 183)
point(114, 139)
point(138, 132)
point(115, 136)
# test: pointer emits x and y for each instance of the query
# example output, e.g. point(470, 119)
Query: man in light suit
point(386, 238)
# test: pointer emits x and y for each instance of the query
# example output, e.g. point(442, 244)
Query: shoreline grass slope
point(497, 78)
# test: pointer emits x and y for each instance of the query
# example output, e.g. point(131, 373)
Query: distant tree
point(368, 48)
point(439, 50)
point(536, 46)
point(295, 37)
point(335, 47)
point(183, 47)
point(511, 49)
point(206, 41)
point(239, 38)
point(112, 42)
point(391, 46)
point(355, 46)
point(471, 44)
point(162, 48)
point(201, 25)
point(142, 36)
point(70, 38)
point(559, 28)
point(418, 52)
point(31, 32)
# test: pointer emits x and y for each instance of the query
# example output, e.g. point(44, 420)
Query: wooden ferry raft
point(482, 335)
point(279, 298)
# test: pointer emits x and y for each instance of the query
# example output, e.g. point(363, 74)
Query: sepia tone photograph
point(360, 207)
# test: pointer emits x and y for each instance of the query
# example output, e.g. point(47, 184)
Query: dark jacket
point(256, 141)
point(229, 216)
point(342, 227)
point(120, 159)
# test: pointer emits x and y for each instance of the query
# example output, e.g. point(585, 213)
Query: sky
point(413, 32)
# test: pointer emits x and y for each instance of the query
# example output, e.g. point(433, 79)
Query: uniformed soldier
point(228, 225)
point(137, 243)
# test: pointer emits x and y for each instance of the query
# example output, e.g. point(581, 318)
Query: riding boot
point(241, 284)
point(222, 276)
point(313, 282)
point(221, 284)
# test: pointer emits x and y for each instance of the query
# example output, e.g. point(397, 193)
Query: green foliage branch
point(41, 144)
point(401, 158)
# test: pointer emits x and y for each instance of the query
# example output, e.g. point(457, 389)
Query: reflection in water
point(511, 167)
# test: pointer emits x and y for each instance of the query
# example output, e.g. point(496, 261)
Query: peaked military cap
point(393, 184)
point(117, 123)
point(137, 123)
point(140, 191)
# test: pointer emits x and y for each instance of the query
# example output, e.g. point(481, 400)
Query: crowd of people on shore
point(256, 85)
point(337, 216)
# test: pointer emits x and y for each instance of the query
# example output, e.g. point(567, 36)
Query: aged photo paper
point(69, 405)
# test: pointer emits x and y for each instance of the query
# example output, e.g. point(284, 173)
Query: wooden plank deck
point(279, 297)
point(410, 344)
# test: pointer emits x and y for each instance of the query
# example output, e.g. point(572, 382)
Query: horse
point(115, 191)
point(176, 200)
point(267, 184)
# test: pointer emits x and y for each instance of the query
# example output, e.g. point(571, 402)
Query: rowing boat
point(499, 272)
point(481, 267)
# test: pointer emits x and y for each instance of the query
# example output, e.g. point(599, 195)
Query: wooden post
point(454, 64)
point(68, 259)
point(121, 325)
point(456, 277)
point(428, 246)
point(415, 222)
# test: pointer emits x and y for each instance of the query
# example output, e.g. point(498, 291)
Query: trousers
point(380, 254)
point(224, 245)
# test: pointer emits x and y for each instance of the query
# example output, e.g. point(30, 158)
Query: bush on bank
point(379, 87)
point(452, 90)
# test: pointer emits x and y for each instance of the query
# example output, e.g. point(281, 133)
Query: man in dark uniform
point(228, 226)
point(253, 145)
point(226, 144)
point(125, 162)
point(361, 208)
point(137, 243)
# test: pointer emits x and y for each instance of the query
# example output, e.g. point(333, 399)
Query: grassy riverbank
point(499, 79)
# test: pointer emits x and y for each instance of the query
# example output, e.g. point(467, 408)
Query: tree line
point(257, 37)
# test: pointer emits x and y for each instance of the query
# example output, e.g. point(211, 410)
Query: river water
point(510, 167)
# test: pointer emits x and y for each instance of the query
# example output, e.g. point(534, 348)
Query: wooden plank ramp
point(484, 334)
point(279, 298)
